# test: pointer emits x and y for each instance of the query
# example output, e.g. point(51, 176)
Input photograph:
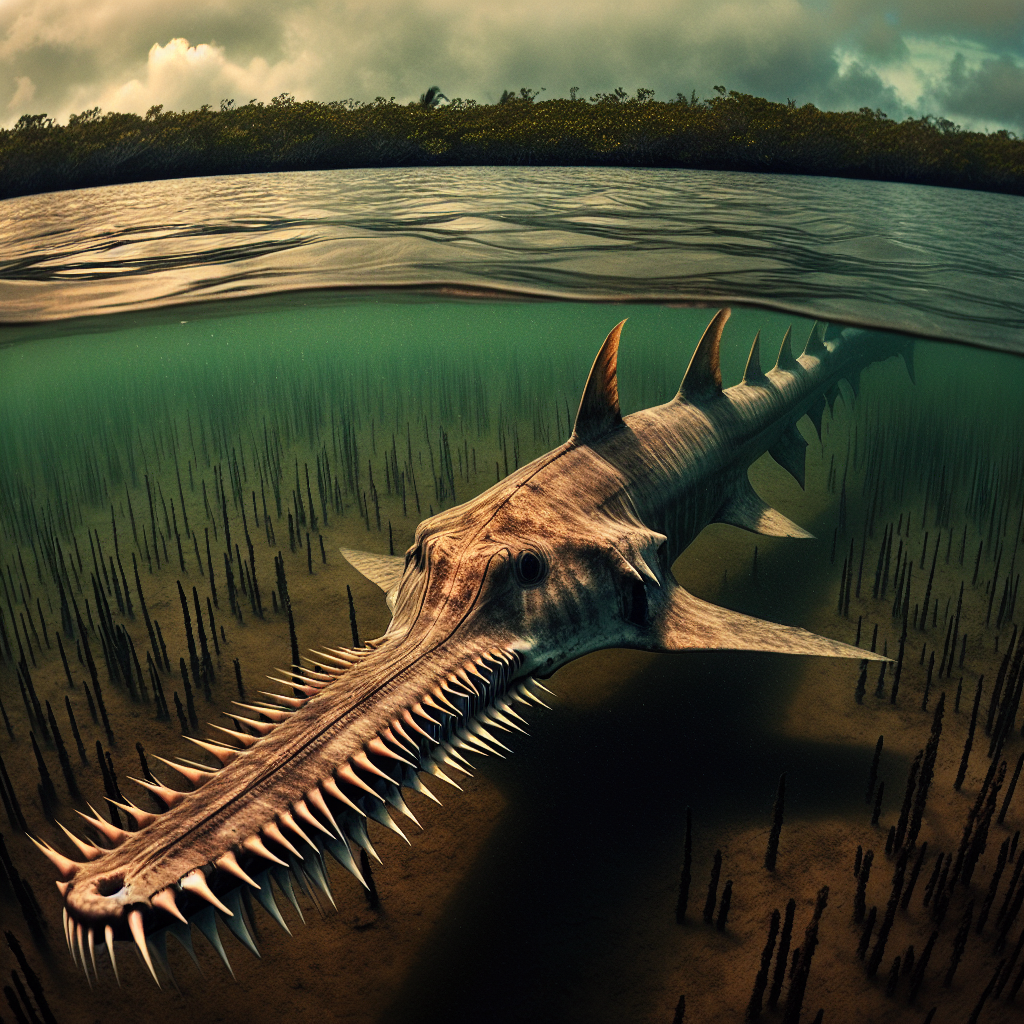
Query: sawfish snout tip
point(101, 899)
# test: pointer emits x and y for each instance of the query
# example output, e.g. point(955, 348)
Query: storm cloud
point(942, 57)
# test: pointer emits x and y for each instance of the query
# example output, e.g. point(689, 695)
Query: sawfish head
point(551, 563)
point(526, 571)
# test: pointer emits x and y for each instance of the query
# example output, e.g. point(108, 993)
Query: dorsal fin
point(599, 407)
point(703, 377)
point(786, 361)
point(753, 374)
point(815, 340)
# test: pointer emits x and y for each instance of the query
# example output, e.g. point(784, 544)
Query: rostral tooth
point(67, 867)
point(169, 796)
point(263, 728)
point(289, 702)
point(87, 850)
point(239, 737)
point(197, 776)
point(308, 688)
point(360, 760)
point(229, 862)
point(347, 774)
point(289, 822)
point(142, 818)
point(331, 787)
point(221, 751)
point(273, 832)
point(195, 882)
point(378, 746)
point(303, 811)
point(164, 900)
point(316, 798)
point(275, 715)
point(110, 832)
point(256, 845)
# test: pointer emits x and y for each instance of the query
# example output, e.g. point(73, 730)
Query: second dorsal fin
point(816, 340)
point(753, 374)
point(786, 360)
point(599, 408)
point(703, 377)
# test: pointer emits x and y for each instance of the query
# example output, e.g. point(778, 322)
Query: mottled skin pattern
point(570, 554)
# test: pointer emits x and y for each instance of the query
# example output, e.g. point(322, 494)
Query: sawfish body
point(567, 555)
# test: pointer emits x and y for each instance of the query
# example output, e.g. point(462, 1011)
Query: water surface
point(929, 261)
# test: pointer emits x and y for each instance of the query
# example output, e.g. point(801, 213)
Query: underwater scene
point(218, 517)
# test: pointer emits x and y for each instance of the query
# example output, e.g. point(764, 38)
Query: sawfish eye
point(530, 568)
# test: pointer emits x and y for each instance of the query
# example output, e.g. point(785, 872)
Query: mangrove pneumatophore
point(567, 555)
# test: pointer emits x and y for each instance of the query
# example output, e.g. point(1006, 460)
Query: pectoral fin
point(385, 571)
point(685, 622)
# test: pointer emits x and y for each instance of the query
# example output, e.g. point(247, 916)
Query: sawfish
point(570, 554)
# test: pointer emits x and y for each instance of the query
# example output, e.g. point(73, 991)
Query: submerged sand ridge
point(547, 890)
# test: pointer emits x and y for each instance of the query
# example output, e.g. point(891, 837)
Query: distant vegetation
point(730, 131)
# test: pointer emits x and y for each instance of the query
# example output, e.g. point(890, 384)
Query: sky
point(958, 59)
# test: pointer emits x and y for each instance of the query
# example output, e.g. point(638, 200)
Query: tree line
point(729, 131)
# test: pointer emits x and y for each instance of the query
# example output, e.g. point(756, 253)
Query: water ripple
point(936, 262)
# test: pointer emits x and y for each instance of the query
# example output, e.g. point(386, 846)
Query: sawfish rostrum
point(570, 554)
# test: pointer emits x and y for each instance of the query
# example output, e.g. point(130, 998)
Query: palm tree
point(432, 97)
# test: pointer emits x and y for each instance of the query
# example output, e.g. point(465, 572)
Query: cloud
point(180, 76)
point(841, 54)
point(23, 94)
point(960, 79)
point(856, 85)
point(992, 92)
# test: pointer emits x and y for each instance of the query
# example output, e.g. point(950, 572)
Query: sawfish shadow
point(595, 814)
